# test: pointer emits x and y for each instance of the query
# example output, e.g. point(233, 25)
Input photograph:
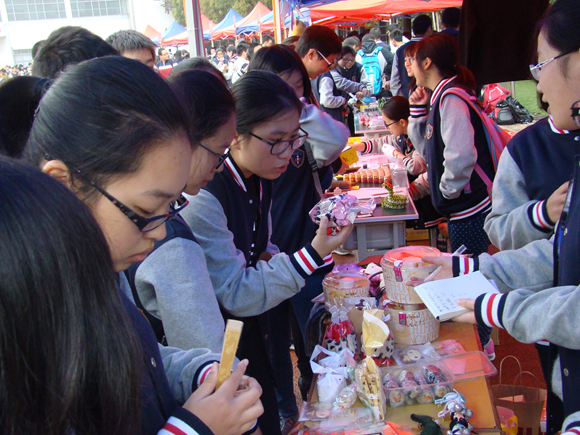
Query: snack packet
point(333, 360)
point(377, 339)
point(369, 389)
point(330, 381)
point(340, 334)
point(340, 210)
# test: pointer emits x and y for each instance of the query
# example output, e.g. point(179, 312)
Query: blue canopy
point(304, 17)
point(174, 29)
point(252, 26)
point(228, 20)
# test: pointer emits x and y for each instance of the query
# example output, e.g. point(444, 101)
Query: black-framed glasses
point(221, 157)
point(348, 61)
point(279, 146)
point(536, 69)
point(576, 112)
point(388, 125)
point(329, 63)
point(144, 224)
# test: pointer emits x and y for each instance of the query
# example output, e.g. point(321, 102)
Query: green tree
point(176, 9)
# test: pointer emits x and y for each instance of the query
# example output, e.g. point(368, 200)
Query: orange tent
point(150, 32)
point(259, 11)
point(182, 38)
point(351, 10)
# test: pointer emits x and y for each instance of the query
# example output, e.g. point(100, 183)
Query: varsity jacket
point(536, 162)
point(170, 375)
point(548, 308)
point(400, 80)
point(452, 139)
point(355, 73)
point(329, 97)
point(232, 225)
point(400, 147)
point(294, 191)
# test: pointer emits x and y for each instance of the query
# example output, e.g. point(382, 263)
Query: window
point(23, 57)
point(97, 8)
point(24, 10)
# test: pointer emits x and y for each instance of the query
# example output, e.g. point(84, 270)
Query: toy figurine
point(457, 409)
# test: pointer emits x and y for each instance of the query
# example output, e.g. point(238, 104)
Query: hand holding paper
point(468, 317)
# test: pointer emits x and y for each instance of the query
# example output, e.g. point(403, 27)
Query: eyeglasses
point(410, 60)
point(348, 61)
point(325, 59)
point(221, 158)
point(279, 146)
point(388, 125)
point(144, 224)
point(576, 112)
point(536, 69)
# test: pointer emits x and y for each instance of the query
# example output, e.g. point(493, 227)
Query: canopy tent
point(303, 15)
point(352, 11)
point(231, 17)
point(266, 24)
point(182, 38)
point(174, 29)
point(259, 11)
point(150, 32)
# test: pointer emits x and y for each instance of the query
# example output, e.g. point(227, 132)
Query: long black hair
point(19, 98)
point(560, 27)
point(281, 59)
point(69, 358)
point(260, 97)
point(101, 116)
point(208, 101)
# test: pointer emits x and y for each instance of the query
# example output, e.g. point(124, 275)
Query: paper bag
point(526, 402)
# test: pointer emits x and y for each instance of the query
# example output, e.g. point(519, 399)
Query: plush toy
point(427, 424)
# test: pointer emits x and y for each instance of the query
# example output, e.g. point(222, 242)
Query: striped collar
point(439, 87)
point(556, 129)
point(230, 164)
point(416, 38)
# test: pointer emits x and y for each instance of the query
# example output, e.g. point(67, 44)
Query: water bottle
point(399, 178)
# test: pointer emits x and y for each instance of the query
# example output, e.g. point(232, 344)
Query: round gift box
point(341, 285)
point(411, 323)
point(401, 264)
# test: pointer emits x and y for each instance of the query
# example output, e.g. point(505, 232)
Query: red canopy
point(182, 38)
point(150, 32)
point(356, 10)
point(259, 11)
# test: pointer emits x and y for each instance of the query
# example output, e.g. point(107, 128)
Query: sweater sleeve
point(418, 127)
point(530, 267)
point(396, 79)
point(365, 80)
point(327, 99)
point(174, 285)
point(245, 291)
point(413, 162)
point(515, 220)
point(183, 422)
point(460, 154)
point(326, 136)
point(345, 84)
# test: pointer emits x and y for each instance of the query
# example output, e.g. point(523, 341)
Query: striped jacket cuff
point(489, 309)
point(368, 147)
point(464, 265)
point(201, 374)
point(183, 422)
point(538, 214)
point(418, 110)
point(572, 429)
point(307, 260)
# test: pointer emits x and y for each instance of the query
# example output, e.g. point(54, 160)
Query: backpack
point(502, 113)
point(492, 94)
point(371, 65)
point(520, 113)
point(496, 137)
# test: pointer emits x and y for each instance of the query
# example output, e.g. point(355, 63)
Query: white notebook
point(440, 296)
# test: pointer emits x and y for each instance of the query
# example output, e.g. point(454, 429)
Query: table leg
point(361, 242)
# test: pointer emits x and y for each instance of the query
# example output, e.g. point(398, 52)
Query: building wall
point(22, 35)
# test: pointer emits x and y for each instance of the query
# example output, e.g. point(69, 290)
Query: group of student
point(137, 214)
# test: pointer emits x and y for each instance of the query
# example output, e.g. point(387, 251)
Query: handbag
point(526, 402)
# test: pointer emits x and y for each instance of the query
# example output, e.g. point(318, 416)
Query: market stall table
point(381, 232)
point(369, 131)
point(477, 391)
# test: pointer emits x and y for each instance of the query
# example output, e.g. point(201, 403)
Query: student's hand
point(227, 411)
point(556, 201)
point(323, 243)
point(360, 95)
point(419, 96)
point(387, 85)
point(265, 256)
point(446, 271)
point(466, 317)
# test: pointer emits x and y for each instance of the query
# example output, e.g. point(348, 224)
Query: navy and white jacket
point(536, 162)
point(232, 225)
point(400, 80)
point(546, 304)
point(451, 137)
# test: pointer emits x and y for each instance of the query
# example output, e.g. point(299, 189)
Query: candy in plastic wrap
point(407, 381)
point(346, 397)
point(377, 339)
point(426, 394)
point(340, 334)
point(395, 397)
point(434, 375)
point(340, 210)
